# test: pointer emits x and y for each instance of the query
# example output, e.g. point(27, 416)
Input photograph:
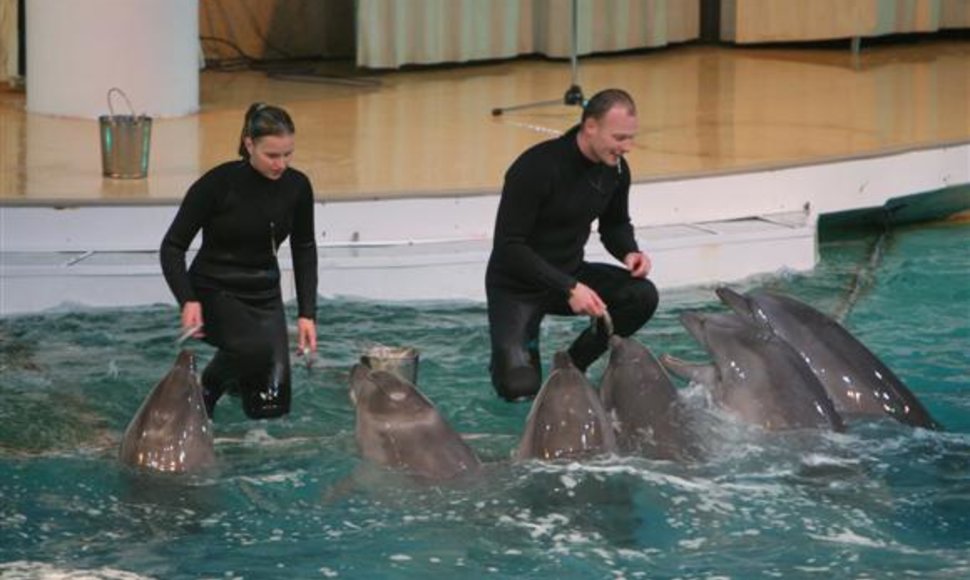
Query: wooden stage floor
point(703, 110)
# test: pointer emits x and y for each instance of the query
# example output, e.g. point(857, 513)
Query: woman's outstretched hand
point(306, 336)
point(192, 318)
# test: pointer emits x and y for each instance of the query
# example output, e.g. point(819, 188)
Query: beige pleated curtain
point(9, 50)
point(393, 33)
point(752, 21)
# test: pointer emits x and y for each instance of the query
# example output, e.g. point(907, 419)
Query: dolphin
point(856, 380)
point(171, 431)
point(399, 428)
point(756, 375)
point(642, 403)
point(567, 420)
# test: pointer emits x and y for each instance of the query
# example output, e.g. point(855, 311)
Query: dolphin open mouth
point(703, 373)
point(694, 323)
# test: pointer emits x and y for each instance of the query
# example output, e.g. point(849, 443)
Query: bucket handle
point(605, 323)
point(123, 96)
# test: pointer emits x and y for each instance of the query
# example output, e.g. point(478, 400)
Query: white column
point(78, 49)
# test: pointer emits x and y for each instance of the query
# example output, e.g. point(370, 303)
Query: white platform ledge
point(687, 254)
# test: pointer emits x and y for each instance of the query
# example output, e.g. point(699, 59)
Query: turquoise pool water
point(292, 499)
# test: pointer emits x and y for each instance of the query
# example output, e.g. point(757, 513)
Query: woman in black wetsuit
point(246, 208)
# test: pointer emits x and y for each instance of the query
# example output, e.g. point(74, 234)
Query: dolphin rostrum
point(171, 431)
point(856, 380)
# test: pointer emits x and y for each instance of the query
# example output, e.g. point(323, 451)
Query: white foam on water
point(259, 437)
point(606, 555)
point(847, 536)
point(822, 460)
point(27, 570)
point(692, 544)
point(544, 526)
point(294, 477)
point(566, 544)
point(759, 489)
point(813, 569)
point(12, 520)
point(639, 554)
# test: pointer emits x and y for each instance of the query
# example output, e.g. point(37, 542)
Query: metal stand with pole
point(574, 94)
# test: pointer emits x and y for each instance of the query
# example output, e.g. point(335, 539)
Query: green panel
point(907, 209)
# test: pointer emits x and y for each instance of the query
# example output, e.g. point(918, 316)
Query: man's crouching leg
point(516, 374)
point(514, 329)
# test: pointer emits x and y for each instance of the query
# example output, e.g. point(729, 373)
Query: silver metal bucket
point(401, 360)
point(125, 142)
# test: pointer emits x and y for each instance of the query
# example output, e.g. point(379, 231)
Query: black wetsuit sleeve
point(615, 229)
point(195, 210)
point(303, 248)
point(526, 185)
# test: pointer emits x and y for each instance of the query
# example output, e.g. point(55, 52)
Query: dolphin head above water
point(642, 403)
point(399, 428)
point(567, 420)
point(384, 393)
point(171, 431)
point(725, 337)
point(756, 374)
point(634, 384)
point(700, 326)
point(858, 382)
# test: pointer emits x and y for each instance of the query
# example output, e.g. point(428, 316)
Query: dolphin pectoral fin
point(698, 373)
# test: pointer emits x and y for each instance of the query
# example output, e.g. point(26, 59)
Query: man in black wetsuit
point(246, 209)
point(552, 194)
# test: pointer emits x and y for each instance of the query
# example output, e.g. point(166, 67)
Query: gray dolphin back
point(642, 402)
point(399, 428)
point(171, 431)
point(567, 419)
point(858, 382)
